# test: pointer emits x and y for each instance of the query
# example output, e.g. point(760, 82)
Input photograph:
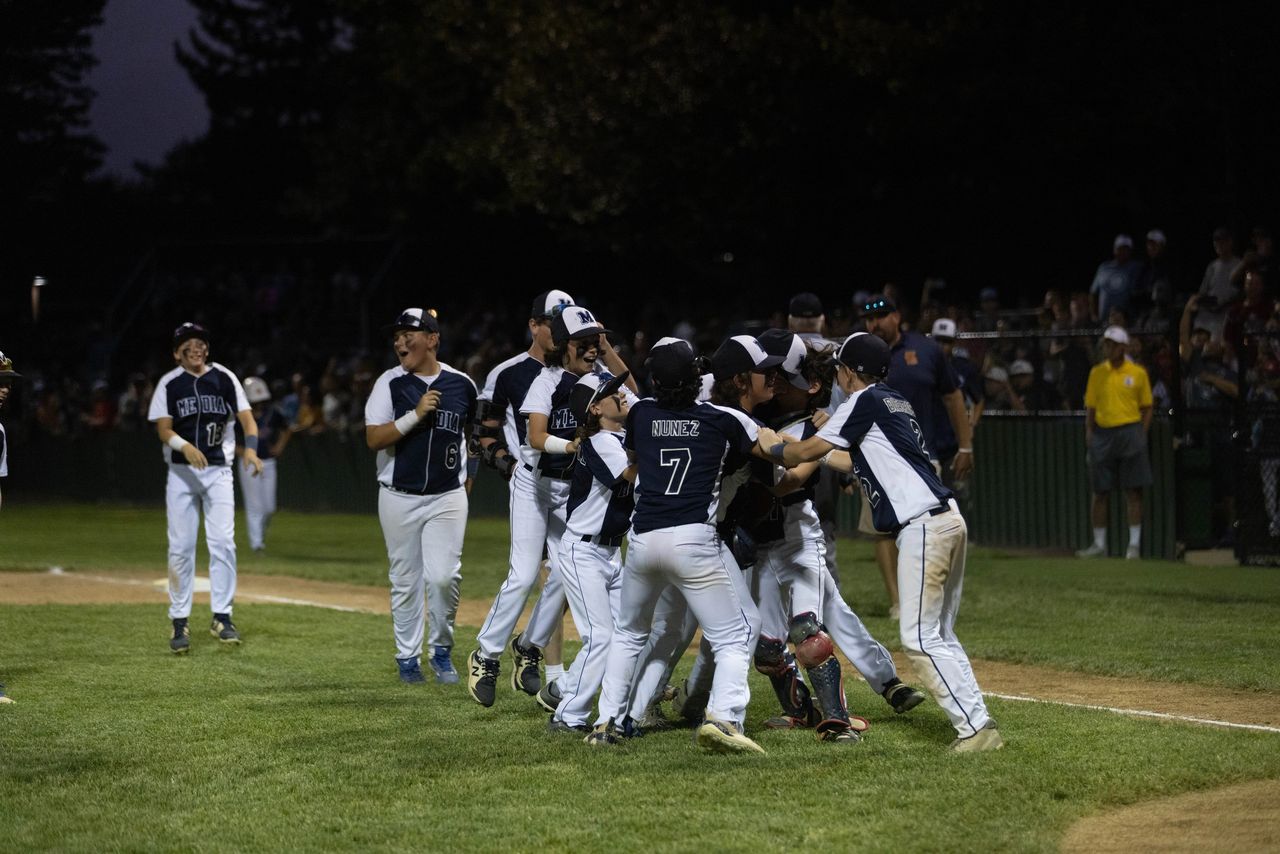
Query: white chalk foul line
point(1140, 713)
point(255, 597)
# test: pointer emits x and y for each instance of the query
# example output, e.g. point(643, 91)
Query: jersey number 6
point(678, 459)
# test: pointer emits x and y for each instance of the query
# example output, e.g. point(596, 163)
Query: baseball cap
point(671, 362)
point(988, 294)
point(187, 331)
point(805, 305)
point(6, 369)
point(573, 322)
point(741, 353)
point(944, 327)
point(1021, 367)
point(549, 303)
point(1122, 240)
point(256, 390)
point(415, 318)
point(1116, 334)
point(1156, 235)
point(997, 374)
point(590, 388)
point(792, 349)
point(864, 353)
point(875, 305)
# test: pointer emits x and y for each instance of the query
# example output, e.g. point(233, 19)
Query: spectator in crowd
point(806, 318)
point(131, 408)
point(290, 403)
point(1117, 420)
point(310, 418)
point(1261, 258)
point(50, 416)
point(101, 413)
point(1210, 390)
point(1248, 314)
point(1155, 281)
point(1216, 288)
point(1031, 391)
point(1116, 280)
point(988, 317)
point(997, 390)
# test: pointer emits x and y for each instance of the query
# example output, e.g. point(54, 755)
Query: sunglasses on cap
point(876, 305)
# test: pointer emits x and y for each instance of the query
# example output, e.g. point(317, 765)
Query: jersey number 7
point(678, 460)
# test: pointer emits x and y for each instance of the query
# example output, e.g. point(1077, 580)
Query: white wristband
point(555, 445)
point(177, 442)
point(826, 458)
point(965, 451)
point(408, 421)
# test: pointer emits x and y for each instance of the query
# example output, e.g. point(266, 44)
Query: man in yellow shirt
point(1117, 419)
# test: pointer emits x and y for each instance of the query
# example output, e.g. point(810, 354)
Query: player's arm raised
point(380, 436)
point(192, 454)
point(614, 363)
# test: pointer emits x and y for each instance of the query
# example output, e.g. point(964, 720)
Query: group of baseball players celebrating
point(710, 482)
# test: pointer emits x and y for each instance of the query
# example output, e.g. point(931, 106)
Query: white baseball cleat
point(1133, 553)
point(987, 738)
point(723, 737)
point(1094, 550)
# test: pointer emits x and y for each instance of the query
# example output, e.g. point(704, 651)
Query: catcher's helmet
point(6, 369)
point(256, 389)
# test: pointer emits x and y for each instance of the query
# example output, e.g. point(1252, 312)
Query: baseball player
point(417, 418)
point(497, 436)
point(259, 493)
point(597, 518)
point(680, 448)
point(888, 454)
point(542, 479)
point(7, 377)
point(191, 408)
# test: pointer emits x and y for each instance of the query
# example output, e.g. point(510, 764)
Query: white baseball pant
point(592, 578)
point(188, 492)
point(537, 507)
point(931, 553)
point(671, 633)
point(259, 494)
point(424, 536)
point(691, 558)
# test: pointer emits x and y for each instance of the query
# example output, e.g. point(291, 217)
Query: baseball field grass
point(303, 739)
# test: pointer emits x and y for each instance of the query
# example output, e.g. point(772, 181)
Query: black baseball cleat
point(482, 678)
point(549, 696)
point(556, 727)
point(180, 639)
point(524, 674)
point(223, 629)
point(604, 735)
point(901, 696)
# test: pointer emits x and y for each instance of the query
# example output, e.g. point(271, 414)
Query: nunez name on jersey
point(433, 457)
point(200, 407)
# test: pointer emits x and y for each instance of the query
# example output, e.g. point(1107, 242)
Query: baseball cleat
point(223, 629)
point(4, 698)
point(442, 666)
point(410, 671)
point(838, 735)
point(901, 696)
point(987, 738)
point(1094, 550)
point(524, 673)
point(720, 736)
point(604, 735)
point(689, 706)
point(180, 639)
point(549, 697)
point(482, 678)
point(788, 722)
point(653, 720)
point(556, 727)
point(1133, 553)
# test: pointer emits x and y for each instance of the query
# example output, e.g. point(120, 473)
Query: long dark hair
point(677, 397)
point(822, 369)
point(728, 391)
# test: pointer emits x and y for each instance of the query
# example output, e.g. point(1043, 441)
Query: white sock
point(1135, 536)
point(1100, 537)
point(554, 672)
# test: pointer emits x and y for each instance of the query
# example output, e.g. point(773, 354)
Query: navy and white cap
point(187, 331)
point(792, 349)
point(415, 318)
point(739, 354)
point(549, 303)
point(590, 388)
point(575, 322)
point(671, 363)
point(865, 353)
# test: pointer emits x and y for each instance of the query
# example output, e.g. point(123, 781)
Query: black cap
point(6, 369)
point(574, 322)
point(671, 363)
point(805, 305)
point(590, 388)
point(864, 353)
point(877, 305)
point(548, 304)
point(741, 353)
point(414, 318)
point(187, 331)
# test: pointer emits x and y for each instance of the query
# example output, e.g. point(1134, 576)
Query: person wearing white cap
point(273, 434)
point(1155, 282)
point(1114, 283)
point(1118, 409)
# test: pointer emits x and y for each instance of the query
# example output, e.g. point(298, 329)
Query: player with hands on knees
point(191, 408)
point(417, 418)
point(876, 435)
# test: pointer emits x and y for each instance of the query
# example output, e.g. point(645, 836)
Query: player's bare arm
point(614, 363)
point(380, 436)
point(250, 428)
point(192, 454)
point(963, 463)
point(538, 434)
point(792, 454)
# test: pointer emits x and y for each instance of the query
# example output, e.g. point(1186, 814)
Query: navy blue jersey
point(600, 498)
point(549, 395)
point(432, 458)
point(200, 407)
point(919, 371)
point(969, 381)
point(769, 510)
point(505, 388)
point(681, 456)
point(270, 426)
point(890, 456)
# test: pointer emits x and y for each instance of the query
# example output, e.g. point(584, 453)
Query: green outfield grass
point(303, 739)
